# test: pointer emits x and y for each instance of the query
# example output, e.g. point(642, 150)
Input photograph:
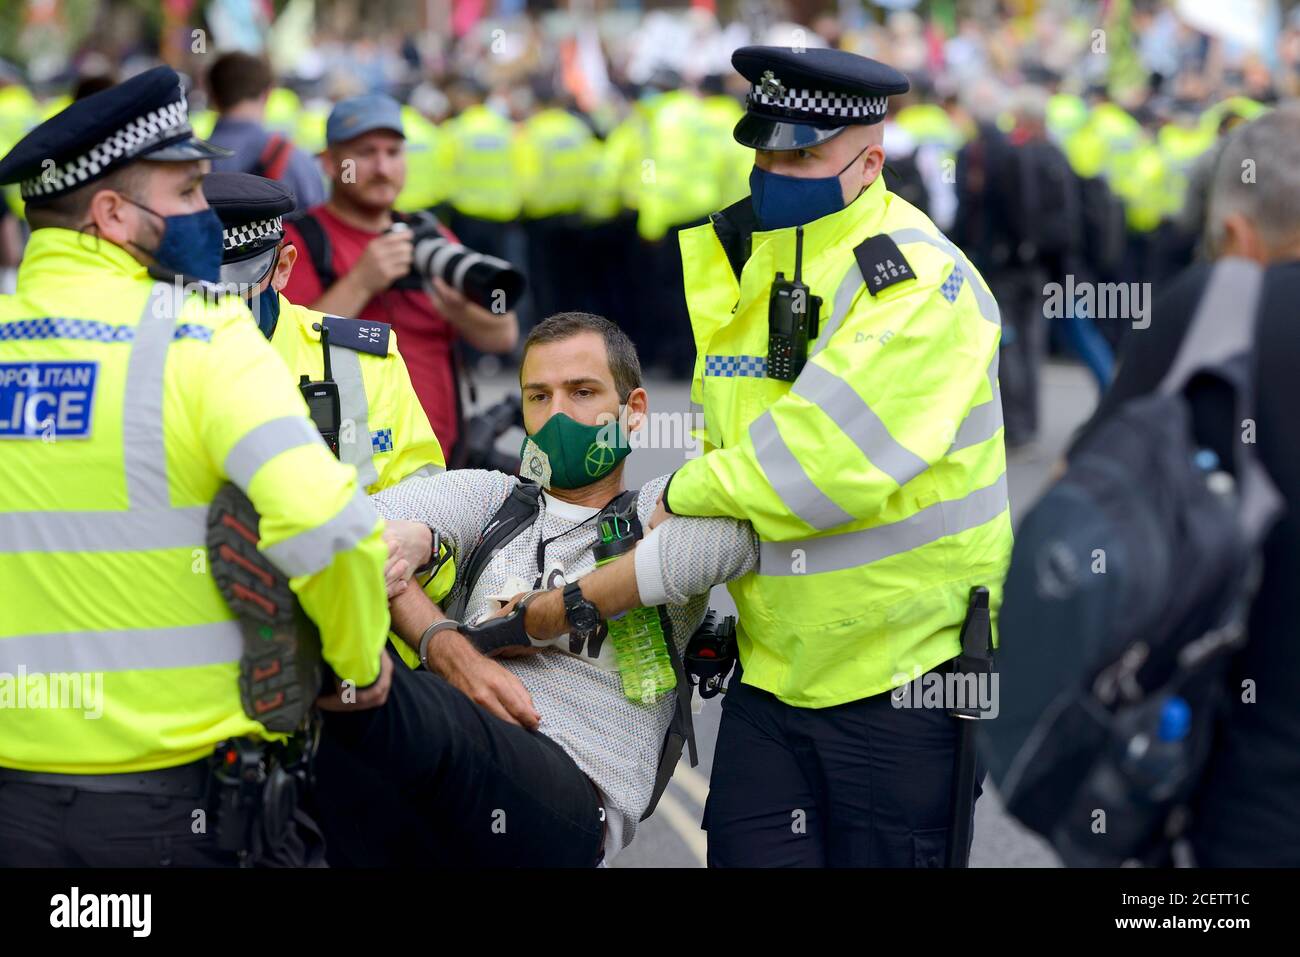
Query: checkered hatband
point(816, 103)
point(165, 123)
point(251, 233)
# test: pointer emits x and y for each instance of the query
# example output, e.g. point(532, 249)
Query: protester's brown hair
point(237, 77)
point(623, 362)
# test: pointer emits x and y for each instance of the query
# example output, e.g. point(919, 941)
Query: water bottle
point(1156, 758)
point(638, 635)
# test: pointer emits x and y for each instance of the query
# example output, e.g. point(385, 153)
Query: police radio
point(792, 320)
point(323, 397)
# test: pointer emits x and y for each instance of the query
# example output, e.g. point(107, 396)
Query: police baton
point(976, 659)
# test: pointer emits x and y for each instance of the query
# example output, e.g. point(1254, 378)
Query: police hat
point(252, 210)
point(144, 117)
point(804, 97)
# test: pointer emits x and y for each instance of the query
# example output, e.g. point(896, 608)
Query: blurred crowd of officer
point(590, 205)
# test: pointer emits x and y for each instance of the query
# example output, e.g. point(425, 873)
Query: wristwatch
point(583, 616)
point(435, 553)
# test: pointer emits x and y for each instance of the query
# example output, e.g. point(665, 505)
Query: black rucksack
point(1049, 226)
point(1129, 588)
point(519, 511)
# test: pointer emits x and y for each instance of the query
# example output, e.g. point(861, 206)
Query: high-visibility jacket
point(125, 407)
point(428, 164)
point(386, 434)
point(485, 178)
point(558, 158)
point(19, 112)
point(876, 482)
point(1179, 147)
point(203, 122)
point(734, 159)
point(1066, 114)
point(283, 107)
point(678, 163)
point(309, 129)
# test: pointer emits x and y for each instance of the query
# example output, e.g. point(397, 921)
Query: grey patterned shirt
point(615, 742)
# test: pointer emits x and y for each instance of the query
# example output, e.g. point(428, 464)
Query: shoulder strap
point(275, 156)
point(1220, 341)
point(516, 513)
point(318, 248)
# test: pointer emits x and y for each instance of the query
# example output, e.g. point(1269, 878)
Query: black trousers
point(49, 826)
point(431, 779)
point(863, 784)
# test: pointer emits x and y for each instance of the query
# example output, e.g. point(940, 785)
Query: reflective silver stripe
point(425, 471)
point(264, 443)
point(144, 453)
point(137, 530)
point(853, 549)
point(789, 480)
point(354, 408)
point(988, 305)
point(136, 649)
point(982, 421)
point(308, 552)
point(849, 287)
point(859, 422)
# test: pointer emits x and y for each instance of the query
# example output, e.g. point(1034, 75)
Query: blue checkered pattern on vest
point(952, 285)
point(52, 328)
point(189, 330)
point(755, 366)
point(381, 440)
point(88, 330)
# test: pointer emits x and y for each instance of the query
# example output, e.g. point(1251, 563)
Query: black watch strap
point(574, 600)
point(435, 550)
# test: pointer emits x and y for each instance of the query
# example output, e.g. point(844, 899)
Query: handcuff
point(504, 631)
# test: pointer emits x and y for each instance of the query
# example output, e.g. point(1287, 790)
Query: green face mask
point(567, 454)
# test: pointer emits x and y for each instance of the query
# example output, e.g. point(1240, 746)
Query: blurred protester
point(1245, 812)
point(240, 85)
point(358, 266)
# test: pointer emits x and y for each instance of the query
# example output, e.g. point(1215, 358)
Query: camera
point(477, 446)
point(486, 280)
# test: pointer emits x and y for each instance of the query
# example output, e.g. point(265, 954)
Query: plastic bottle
point(1156, 756)
point(638, 635)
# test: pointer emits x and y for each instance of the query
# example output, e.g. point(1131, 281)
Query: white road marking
point(685, 823)
point(695, 784)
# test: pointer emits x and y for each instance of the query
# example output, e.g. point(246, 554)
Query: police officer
point(381, 429)
point(866, 448)
point(128, 403)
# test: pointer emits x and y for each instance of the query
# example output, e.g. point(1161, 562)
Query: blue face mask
point(782, 201)
point(190, 245)
point(266, 310)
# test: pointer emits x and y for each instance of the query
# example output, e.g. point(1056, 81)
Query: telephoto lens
point(486, 280)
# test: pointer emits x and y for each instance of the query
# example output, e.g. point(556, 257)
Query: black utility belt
point(185, 780)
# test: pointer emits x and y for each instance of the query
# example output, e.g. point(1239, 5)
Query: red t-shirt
point(423, 336)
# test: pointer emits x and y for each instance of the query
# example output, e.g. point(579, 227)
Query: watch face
point(586, 618)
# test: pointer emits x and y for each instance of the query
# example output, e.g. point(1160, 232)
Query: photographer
point(359, 266)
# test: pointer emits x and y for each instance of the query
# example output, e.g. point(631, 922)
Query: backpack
point(1129, 588)
point(517, 513)
point(274, 158)
point(1048, 204)
point(1104, 229)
